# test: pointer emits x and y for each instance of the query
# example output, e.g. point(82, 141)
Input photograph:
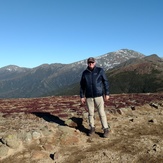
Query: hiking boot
point(91, 131)
point(106, 132)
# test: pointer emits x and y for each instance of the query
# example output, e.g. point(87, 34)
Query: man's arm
point(82, 87)
point(105, 83)
point(82, 90)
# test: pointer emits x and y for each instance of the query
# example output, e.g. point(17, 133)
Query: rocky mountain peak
point(50, 78)
point(13, 68)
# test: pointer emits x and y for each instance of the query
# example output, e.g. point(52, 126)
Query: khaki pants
point(99, 103)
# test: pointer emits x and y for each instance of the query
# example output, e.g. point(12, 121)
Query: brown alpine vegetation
point(54, 129)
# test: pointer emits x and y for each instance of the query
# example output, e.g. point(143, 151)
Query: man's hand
point(82, 100)
point(107, 97)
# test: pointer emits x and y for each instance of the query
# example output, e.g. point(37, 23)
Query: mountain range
point(122, 68)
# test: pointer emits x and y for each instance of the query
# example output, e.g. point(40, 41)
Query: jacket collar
point(90, 70)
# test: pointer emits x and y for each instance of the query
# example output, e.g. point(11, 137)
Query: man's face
point(91, 65)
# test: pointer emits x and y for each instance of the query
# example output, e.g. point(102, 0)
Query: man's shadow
point(50, 118)
point(55, 119)
point(80, 126)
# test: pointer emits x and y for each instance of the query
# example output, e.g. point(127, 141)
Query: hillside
point(17, 82)
point(137, 76)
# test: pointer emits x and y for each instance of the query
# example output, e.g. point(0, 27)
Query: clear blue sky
point(34, 32)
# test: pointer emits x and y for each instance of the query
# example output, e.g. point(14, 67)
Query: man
point(94, 88)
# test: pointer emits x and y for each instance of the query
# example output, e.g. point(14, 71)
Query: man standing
point(94, 88)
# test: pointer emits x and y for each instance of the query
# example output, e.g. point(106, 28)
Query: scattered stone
point(154, 105)
point(28, 137)
point(131, 120)
point(56, 156)
point(3, 150)
point(153, 121)
point(119, 111)
point(133, 108)
point(36, 135)
point(11, 140)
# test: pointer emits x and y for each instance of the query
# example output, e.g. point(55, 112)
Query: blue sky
point(34, 32)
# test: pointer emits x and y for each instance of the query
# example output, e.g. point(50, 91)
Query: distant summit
point(13, 68)
point(111, 59)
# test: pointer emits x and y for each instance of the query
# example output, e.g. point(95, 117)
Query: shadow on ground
point(55, 119)
point(50, 118)
point(80, 126)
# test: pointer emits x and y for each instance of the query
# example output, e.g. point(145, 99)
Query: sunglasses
point(90, 62)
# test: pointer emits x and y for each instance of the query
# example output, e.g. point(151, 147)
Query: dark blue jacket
point(94, 83)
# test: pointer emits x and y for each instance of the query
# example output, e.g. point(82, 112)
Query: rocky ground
point(54, 129)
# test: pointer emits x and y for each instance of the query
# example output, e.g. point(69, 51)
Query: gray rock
point(28, 137)
point(3, 150)
point(154, 105)
point(36, 135)
point(11, 140)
